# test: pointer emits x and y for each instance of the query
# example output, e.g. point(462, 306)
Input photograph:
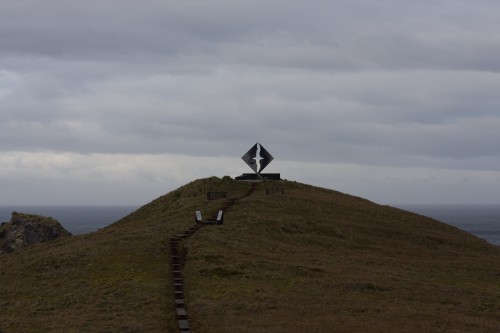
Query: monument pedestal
point(253, 176)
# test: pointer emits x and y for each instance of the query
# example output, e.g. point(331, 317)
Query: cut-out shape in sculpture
point(257, 158)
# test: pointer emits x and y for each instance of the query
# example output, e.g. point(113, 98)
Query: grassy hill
point(308, 260)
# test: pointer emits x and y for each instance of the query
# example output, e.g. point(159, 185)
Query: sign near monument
point(216, 195)
point(275, 190)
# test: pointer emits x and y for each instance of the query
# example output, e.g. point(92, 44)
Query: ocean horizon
point(480, 220)
point(75, 219)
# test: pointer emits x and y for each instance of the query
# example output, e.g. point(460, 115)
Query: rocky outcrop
point(27, 229)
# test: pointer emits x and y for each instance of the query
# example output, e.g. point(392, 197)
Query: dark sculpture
point(258, 158)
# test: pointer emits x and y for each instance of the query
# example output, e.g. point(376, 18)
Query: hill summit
point(289, 258)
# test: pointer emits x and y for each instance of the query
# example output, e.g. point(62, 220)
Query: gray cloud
point(378, 84)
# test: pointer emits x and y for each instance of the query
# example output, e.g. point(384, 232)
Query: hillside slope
point(308, 260)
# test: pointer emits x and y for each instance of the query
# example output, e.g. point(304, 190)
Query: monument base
point(253, 176)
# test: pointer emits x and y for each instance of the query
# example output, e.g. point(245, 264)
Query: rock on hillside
point(28, 229)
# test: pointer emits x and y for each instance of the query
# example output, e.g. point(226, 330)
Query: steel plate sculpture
point(258, 158)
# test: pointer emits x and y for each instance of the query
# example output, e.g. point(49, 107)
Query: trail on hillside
point(177, 279)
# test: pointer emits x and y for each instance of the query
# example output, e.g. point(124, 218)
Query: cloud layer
point(384, 87)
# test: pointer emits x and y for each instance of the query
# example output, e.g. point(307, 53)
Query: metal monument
point(257, 158)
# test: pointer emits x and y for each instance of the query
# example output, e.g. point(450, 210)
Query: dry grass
point(113, 280)
point(319, 261)
point(311, 260)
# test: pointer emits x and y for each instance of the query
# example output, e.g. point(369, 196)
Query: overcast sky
point(121, 101)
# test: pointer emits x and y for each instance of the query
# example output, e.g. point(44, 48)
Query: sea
point(482, 221)
point(75, 219)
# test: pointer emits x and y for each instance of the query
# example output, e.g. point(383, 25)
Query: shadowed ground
point(308, 260)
